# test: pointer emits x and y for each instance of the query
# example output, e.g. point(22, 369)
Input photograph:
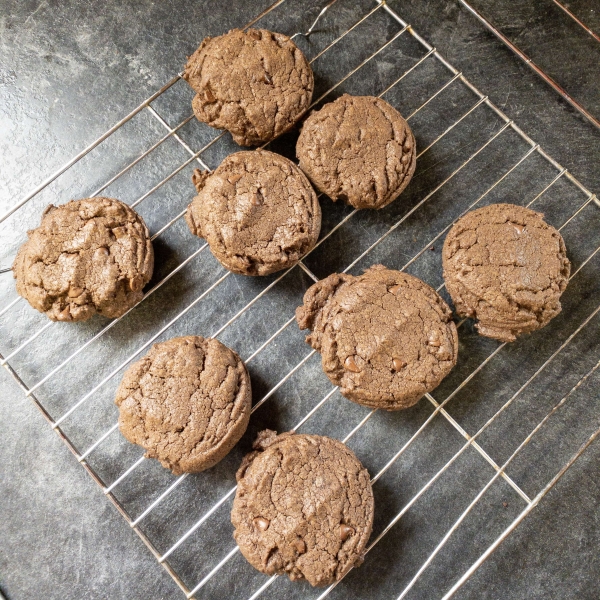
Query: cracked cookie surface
point(507, 268)
point(304, 507)
point(358, 149)
point(187, 402)
point(385, 337)
point(257, 211)
point(87, 256)
point(254, 83)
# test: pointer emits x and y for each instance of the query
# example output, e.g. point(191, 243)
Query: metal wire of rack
point(577, 20)
point(492, 165)
point(531, 64)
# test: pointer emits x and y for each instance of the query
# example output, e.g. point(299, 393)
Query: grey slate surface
point(67, 72)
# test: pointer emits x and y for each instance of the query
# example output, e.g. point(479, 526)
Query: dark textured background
point(69, 70)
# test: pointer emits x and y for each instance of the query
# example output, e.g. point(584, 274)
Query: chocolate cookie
point(386, 338)
point(87, 256)
point(304, 506)
point(187, 402)
point(507, 268)
point(254, 83)
point(358, 149)
point(257, 211)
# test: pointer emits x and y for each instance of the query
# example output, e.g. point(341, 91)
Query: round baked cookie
point(254, 83)
point(87, 256)
point(187, 402)
point(304, 507)
point(385, 337)
point(257, 211)
point(358, 149)
point(507, 268)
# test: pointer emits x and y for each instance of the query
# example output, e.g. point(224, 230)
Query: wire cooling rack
point(454, 475)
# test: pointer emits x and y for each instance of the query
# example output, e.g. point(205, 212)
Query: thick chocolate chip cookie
point(187, 402)
point(386, 338)
point(254, 83)
point(87, 256)
point(257, 211)
point(507, 268)
point(304, 507)
point(358, 149)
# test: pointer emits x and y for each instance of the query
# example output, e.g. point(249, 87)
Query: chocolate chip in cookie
point(358, 149)
point(256, 84)
point(507, 268)
point(257, 211)
point(385, 337)
point(187, 402)
point(87, 256)
point(304, 507)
